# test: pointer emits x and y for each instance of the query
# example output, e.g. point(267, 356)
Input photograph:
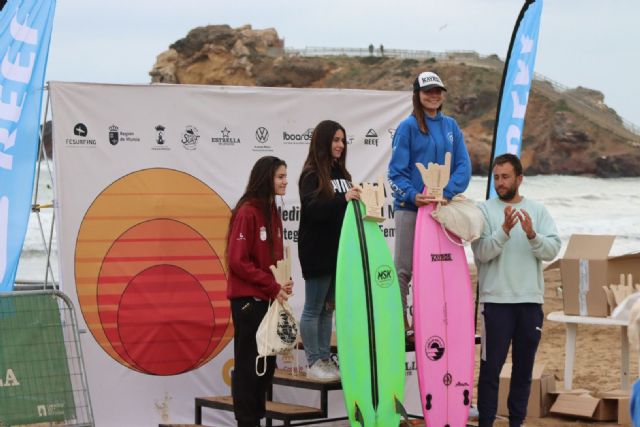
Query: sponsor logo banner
point(152, 219)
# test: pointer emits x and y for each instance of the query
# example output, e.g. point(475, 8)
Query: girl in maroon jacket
point(254, 243)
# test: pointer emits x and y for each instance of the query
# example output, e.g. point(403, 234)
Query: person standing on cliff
point(518, 235)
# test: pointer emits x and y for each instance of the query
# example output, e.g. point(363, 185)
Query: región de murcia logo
point(114, 135)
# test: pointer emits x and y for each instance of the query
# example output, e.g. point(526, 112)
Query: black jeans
point(247, 388)
point(521, 326)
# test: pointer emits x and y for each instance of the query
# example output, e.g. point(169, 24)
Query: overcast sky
point(591, 43)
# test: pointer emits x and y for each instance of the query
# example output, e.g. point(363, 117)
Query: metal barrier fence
point(42, 373)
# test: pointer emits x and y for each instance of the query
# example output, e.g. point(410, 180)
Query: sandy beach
point(596, 367)
point(597, 363)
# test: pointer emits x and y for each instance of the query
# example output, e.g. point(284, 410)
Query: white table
point(571, 323)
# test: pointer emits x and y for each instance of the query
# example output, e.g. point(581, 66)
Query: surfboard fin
point(358, 415)
point(466, 400)
point(400, 409)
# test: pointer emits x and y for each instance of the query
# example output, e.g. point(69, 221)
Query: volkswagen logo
point(262, 135)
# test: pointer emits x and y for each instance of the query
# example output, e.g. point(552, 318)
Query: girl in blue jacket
point(425, 136)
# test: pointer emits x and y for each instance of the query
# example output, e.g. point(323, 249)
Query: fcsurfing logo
point(384, 276)
point(434, 349)
point(80, 130)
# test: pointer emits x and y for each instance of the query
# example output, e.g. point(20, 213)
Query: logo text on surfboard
point(441, 257)
point(384, 276)
point(434, 348)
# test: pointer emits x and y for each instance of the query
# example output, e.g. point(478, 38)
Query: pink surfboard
point(443, 324)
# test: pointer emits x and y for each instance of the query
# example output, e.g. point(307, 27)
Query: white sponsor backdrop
point(214, 134)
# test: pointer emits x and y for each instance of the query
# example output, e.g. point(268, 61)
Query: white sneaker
point(318, 371)
point(332, 367)
point(473, 412)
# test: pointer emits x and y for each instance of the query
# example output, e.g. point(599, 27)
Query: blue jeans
point(315, 322)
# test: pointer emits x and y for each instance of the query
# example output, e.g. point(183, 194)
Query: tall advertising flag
point(25, 32)
point(516, 83)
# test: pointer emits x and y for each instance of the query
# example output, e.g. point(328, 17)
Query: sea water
point(579, 205)
point(583, 205)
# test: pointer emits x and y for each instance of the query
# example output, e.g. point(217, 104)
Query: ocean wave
point(579, 205)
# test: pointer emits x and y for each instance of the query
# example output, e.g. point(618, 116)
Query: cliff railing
point(548, 87)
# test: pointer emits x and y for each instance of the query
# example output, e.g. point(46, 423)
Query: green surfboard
point(369, 324)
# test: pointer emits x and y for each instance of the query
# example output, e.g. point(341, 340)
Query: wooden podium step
point(286, 377)
point(285, 412)
point(181, 425)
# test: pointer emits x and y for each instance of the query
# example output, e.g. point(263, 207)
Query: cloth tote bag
point(277, 332)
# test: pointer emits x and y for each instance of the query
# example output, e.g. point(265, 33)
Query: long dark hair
point(319, 159)
point(418, 112)
point(261, 192)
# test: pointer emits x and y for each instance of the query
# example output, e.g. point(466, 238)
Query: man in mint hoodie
point(519, 234)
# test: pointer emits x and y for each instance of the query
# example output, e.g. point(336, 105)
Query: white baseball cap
point(428, 80)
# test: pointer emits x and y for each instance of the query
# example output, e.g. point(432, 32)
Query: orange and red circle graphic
point(150, 275)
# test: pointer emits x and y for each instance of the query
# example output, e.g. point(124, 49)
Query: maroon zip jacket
point(249, 256)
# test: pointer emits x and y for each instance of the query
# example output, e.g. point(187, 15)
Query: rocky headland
point(567, 131)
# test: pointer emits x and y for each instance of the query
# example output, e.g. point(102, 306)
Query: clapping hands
point(513, 216)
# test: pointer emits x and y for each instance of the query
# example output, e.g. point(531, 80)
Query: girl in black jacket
point(325, 188)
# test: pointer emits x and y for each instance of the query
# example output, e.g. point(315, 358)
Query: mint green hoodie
point(510, 266)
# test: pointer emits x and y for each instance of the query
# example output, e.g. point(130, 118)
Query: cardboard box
point(622, 398)
point(586, 267)
point(585, 406)
point(555, 393)
point(539, 400)
point(609, 406)
point(624, 413)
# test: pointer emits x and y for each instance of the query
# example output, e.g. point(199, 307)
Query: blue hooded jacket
point(410, 146)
